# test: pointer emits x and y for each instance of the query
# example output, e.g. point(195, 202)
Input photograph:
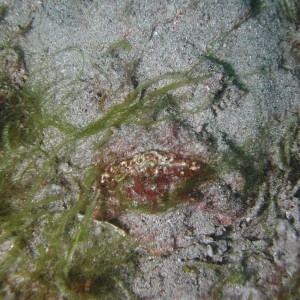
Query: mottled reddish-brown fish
point(143, 180)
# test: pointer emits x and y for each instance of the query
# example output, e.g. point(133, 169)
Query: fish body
point(148, 179)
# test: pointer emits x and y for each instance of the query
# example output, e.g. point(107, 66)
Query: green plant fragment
point(229, 71)
point(256, 7)
point(119, 44)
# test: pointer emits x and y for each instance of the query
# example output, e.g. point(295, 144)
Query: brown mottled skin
point(142, 180)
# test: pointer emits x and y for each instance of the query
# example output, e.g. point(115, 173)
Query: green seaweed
point(3, 11)
point(25, 167)
point(253, 166)
point(18, 110)
point(119, 113)
point(119, 44)
point(256, 7)
point(291, 10)
point(227, 276)
point(229, 71)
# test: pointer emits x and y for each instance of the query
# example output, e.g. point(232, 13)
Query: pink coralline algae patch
point(152, 180)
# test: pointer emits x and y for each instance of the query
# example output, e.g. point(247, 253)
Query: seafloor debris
point(12, 67)
point(152, 181)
